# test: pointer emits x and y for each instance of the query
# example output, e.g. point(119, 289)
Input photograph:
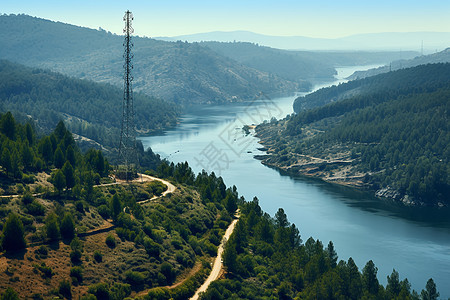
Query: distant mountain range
point(179, 72)
point(391, 41)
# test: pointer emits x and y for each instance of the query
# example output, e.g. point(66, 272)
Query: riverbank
point(335, 164)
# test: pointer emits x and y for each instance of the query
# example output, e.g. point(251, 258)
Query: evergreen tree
point(67, 228)
point(430, 292)
point(369, 278)
point(29, 133)
point(52, 227)
point(332, 255)
point(281, 218)
point(59, 158)
point(27, 155)
point(116, 206)
point(46, 149)
point(69, 175)
point(59, 181)
point(8, 125)
point(13, 233)
point(393, 286)
point(70, 156)
point(6, 160)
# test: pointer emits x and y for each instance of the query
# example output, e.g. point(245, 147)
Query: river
point(416, 242)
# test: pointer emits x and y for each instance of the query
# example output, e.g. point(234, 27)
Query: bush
point(79, 206)
point(27, 198)
point(42, 251)
point(104, 211)
point(65, 289)
point(35, 208)
point(9, 294)
point(77, 272)
point(46, 271)
point(98, 256)
point(134, 278)
point(110, 241)
point(75, 256)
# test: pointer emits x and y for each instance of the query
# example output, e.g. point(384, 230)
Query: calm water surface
point(416, 242)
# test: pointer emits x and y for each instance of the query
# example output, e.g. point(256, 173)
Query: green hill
point(89, 109)
point(175, 71)
point(389, 133)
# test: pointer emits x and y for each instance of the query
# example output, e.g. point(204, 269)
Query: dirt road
point(217, 266)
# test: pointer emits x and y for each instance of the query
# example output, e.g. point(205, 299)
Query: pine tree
point(67, 228)
point(59, 158)
point(430, 292)
point(69, 175)
point(13, 234)
point(52, 227)
point(59, 181)
point(332, 255)
point(369, 278)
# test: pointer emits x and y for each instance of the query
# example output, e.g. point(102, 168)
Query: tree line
point(265, 258)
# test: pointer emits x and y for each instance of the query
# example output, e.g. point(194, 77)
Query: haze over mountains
point(175, 71)
point(178, 72)
point(393, 41)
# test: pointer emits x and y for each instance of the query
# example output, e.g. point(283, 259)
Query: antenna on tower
point(127, 162)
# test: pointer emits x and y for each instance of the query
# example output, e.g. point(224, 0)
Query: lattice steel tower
point(127, 146)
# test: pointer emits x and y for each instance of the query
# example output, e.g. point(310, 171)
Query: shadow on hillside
point(17, 254)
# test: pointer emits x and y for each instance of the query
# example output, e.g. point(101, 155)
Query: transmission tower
point(127, 146)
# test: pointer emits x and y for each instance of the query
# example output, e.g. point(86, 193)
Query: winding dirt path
point(218, 265)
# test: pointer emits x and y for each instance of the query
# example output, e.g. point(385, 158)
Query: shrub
point(104, 211)
point(27, 198)
point(65, 289)
point(98, 256)
point(110, 241)
point(75, 256)
point(46, 271)
point(134, 278)
point(35, 208)
point(42, 251)
point(79, 206)
point(77, 272)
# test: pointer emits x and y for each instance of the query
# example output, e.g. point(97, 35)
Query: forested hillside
point(89, 109)
point(386, 86)
point(68, 230)
point(266, 258)
point(301, 65)
point(176, 71)
point(439, 57)
point(390, 133)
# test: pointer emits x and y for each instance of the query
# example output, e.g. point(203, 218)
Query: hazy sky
point(313, 18)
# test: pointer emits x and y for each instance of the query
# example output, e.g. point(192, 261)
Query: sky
point(311, 18)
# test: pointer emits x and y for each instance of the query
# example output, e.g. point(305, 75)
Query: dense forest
point(88, 109)
point(174, 71)
point(391, 130)
point(266, 258)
